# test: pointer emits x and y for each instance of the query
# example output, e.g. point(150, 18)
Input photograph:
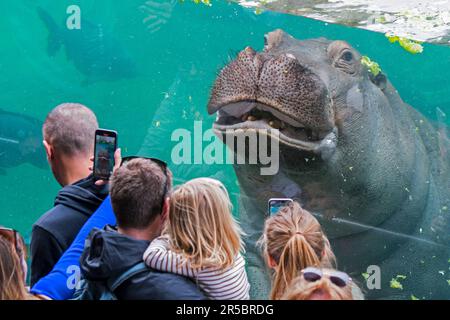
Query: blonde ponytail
point(294, 239)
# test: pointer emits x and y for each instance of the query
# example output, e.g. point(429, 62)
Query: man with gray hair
point(69, 132)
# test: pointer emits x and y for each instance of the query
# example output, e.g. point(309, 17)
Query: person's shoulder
point(48, 229)
point(166, 281)
point(56, 217)
point(156, 285)
point(61, 222)
point(50, 217)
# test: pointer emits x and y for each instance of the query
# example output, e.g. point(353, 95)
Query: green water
point(176, 66)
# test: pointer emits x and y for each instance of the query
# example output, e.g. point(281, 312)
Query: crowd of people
point(138, 237)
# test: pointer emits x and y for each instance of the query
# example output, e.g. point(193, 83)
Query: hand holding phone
point(105, 147)
point(276, 204)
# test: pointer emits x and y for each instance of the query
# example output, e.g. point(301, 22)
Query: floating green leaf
point(411, 46)
point(258, 11)
point(373, 67)
point(413, 297)
point(396, 284)
point(381, 19)
point(391, 38)
point(365, 275)
point(205, 2)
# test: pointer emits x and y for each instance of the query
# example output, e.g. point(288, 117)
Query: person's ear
point(48, 150)
point(271, 262)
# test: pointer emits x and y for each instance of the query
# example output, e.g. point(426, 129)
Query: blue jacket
point(55, 284)
point(55, 231)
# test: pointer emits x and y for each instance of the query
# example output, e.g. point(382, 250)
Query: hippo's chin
point(244, 117)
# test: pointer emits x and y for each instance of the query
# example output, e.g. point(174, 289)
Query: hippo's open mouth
point(250, 115)
point(274, 89)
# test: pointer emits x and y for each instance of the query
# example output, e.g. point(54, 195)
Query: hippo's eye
point(345, 61)
point(347, 56)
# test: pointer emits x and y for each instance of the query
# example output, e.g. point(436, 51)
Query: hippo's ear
point(275, 38)
point(379, 80)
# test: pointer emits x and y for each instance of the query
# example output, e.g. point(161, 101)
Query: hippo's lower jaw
point(246, 116)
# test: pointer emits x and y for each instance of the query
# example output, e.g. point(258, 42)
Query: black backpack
point(96, 290)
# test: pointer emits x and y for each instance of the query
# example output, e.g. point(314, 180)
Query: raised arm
point(60, 283)
point(158, 256)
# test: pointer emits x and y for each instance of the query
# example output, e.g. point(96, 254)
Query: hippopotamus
point(370, 167)
point(103, 164)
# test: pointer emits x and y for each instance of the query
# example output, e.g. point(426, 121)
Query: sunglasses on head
point(338, 278)
point(14, 238)
point(161, 164)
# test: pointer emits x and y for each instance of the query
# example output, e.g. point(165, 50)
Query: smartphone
point(105, 146)
point(275, 204)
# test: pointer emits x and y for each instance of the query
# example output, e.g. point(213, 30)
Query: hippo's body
point(372, 168)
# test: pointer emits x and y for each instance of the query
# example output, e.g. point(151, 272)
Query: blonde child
point(322, 284)
point(202, 241)
point(293, 240)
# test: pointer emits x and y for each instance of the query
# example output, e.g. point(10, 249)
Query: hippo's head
point(342, 130)
point(302, 88)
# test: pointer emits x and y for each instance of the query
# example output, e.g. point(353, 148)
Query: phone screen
point(275, 204)
point(105, 146)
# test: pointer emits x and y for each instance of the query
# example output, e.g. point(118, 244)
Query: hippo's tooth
point(328, 145)
point(251, 118)
point(290, 56)
point(245, 117)
point(275, 124)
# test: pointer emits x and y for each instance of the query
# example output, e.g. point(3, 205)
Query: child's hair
point(294, 239)
point(301, 289)
point(11, 274)
point(201, 226)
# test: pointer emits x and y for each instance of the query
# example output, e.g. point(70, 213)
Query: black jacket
point(109, 254)
point(55, 231)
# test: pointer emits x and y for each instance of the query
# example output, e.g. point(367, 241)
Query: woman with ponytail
point(292, 241)
point(322, 284)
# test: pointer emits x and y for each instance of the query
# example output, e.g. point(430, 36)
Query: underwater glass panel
point(147, 69)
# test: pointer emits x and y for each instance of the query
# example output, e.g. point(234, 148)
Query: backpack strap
point(114, 283)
